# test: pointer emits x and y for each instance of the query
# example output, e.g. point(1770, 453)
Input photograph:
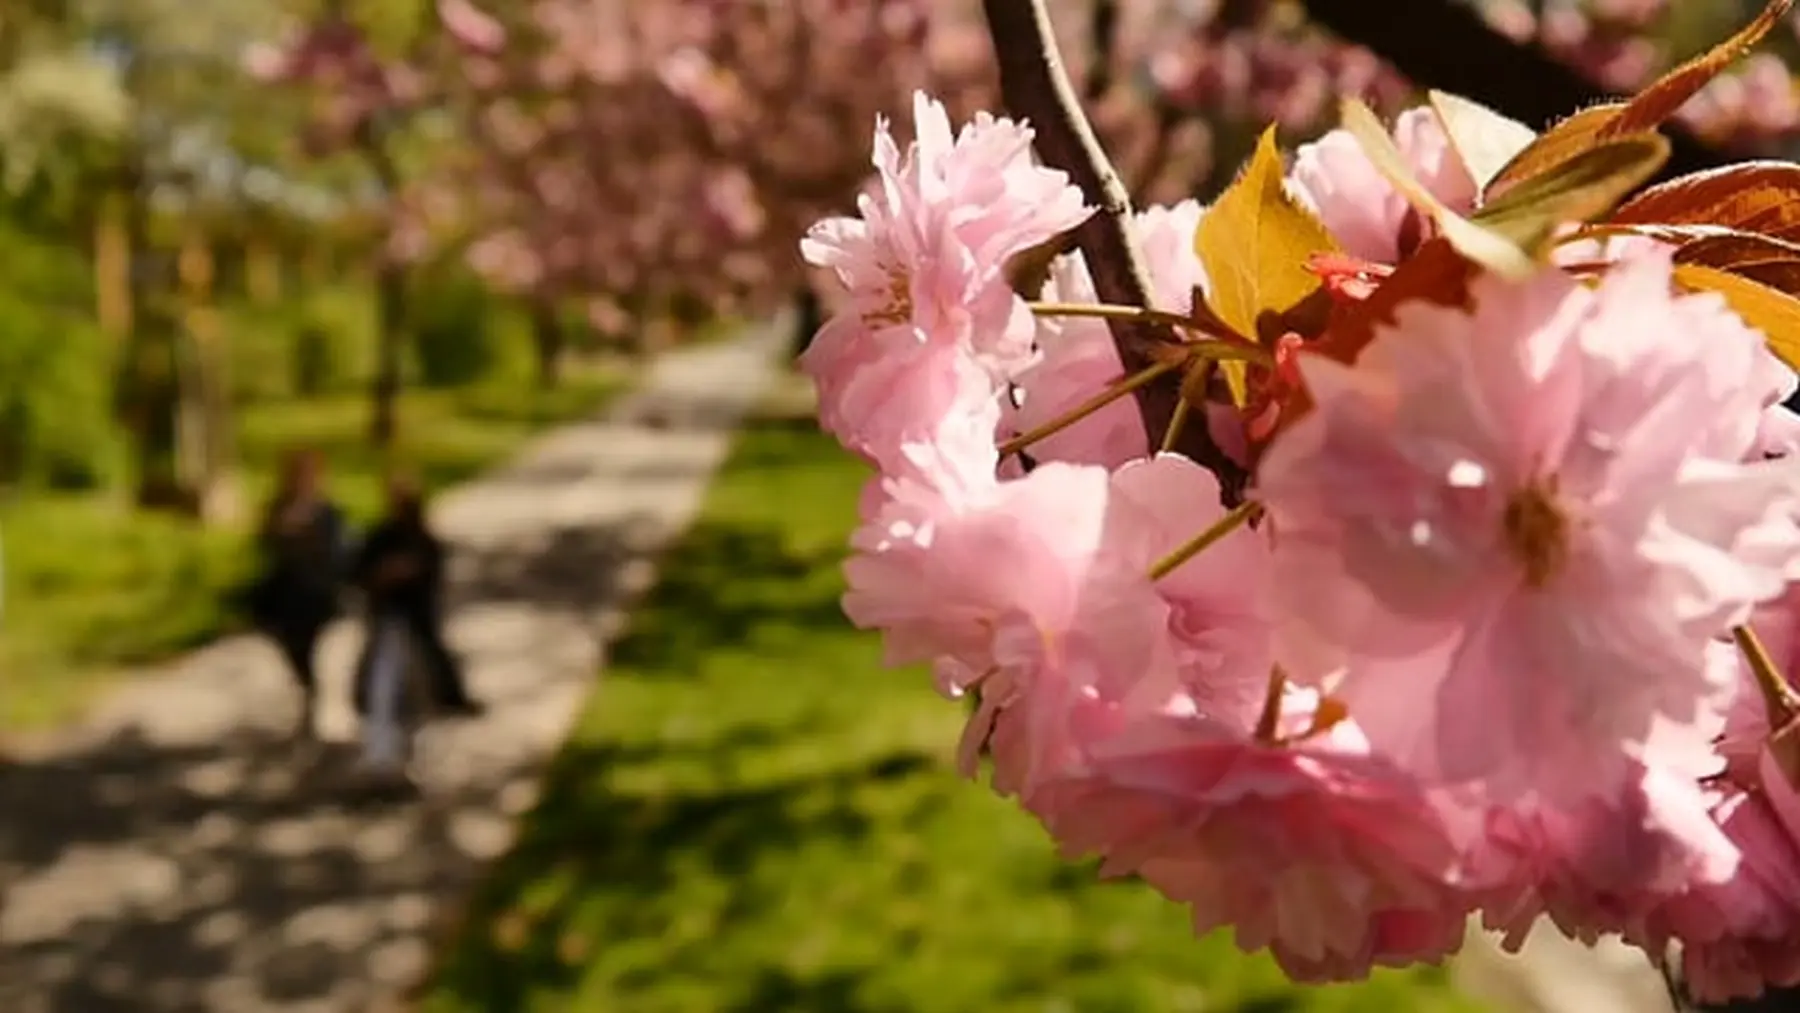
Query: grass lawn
point(91, 585)
point(753, 816)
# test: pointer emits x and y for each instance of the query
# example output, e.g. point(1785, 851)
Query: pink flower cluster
point(1610, 41)
point(1267, 67)
point(1468, 648)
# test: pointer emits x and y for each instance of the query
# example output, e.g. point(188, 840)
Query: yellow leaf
point(1483, 246)
point(1237, 381)
point(1775, 314)
point(1255, 242)
point(1577, 190)
point(1485, 140)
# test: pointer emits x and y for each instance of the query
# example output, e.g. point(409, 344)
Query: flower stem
point(1193, 391)
point(1267, 724)
point(1111, 392)
point(1780, 699)
point(1176, 422)
point(1228, 345)
point(1109, 311)
point(1237, 518)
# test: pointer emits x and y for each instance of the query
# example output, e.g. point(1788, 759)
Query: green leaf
point(1577, 190)
point(1484, 246)
point(1485, 140)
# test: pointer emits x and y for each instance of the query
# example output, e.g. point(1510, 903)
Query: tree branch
point(1036, 88)
point(1445, 45)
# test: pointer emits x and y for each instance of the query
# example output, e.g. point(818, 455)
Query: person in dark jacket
point(400, 569)
point(301, 540)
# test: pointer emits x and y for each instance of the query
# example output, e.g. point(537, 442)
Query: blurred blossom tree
point(1622, 45)
point(366, 99)
point(654, 161)
point(650, 163)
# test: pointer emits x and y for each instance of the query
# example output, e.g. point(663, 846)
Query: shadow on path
point(215, 877)
point(179, 853)
point(233, 869)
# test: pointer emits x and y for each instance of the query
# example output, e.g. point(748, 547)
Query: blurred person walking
point(303, 543)
point(400, 569)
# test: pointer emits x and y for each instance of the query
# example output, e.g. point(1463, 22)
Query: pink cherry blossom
point(1362, 210)
point(1475, 656)
point(1219, 623)
point(877, 401)
point(926, 256)
point(1209, 656)
point(1777, 434)
point(1740, 936)
point(1516, 514)
point(471, 26)
point(1078, 357)
point(1315, 849)
point(924, 269)
point(1601, 863)
point(922, 574)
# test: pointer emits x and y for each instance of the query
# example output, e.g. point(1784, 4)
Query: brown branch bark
point(1445, 45)
point(1035, 87)
point(1103, 34)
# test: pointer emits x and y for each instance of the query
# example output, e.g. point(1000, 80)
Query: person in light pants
point(386, 735)
point(400, 569)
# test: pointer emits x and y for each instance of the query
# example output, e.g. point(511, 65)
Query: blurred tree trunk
point(1446, 45)
point(149, 366)
point(390, 312)
point(152, 400)
point(390, 345)
point(549, 339)
point(262, 269)
point(315, 264)
point(206, 402)
point(112, 263)
point(808, 318)
point(1103, 36)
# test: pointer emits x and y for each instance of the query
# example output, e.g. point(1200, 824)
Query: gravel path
point(176, 853)
point(1553, 974)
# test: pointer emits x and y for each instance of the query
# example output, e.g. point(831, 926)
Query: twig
point(1036, 88)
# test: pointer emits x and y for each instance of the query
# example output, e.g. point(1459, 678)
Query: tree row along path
point(177, 853)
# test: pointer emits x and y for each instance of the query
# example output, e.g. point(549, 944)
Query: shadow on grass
point(752, 816)
point(731, 585)
point(638, 847)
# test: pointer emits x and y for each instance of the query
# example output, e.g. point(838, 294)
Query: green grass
point(752, 815)
point(92, 586)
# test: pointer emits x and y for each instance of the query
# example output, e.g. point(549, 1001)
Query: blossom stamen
point(898, 308)
point(1537, 532)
